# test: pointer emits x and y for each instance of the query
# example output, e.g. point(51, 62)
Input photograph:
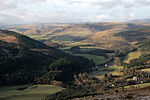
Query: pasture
point(95, 58)
point(28, 92)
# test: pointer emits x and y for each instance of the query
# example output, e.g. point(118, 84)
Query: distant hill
point(136, 35)
point(25, 60)
point(4, 26)
point(144, 21)
point(100, 34)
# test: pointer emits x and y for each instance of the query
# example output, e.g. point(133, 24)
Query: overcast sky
point(72, 11)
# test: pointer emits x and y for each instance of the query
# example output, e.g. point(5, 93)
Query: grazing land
point(95, 58)
point(28, 92)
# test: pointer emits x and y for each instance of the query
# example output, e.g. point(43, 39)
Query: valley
point(74, 50)
point(69, 61)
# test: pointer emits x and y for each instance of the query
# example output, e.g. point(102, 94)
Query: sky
point(72, 11)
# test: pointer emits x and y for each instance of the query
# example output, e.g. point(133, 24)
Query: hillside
point(145, 46)
point(25, 60)
point(136, 35)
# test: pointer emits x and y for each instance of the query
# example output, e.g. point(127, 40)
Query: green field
point(27, 92)
point(70, 44)
point(133, 55)
point(145, 70)
point(96, 59)
point(138, 86)
point(114, 70)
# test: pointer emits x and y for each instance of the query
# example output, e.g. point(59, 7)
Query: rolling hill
point(102, 35)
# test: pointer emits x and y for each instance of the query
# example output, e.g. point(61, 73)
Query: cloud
point(113, 3)
point(8, 19)
point(44, 11)
point(7, 5)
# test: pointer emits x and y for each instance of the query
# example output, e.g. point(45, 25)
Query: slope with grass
point(133, 55)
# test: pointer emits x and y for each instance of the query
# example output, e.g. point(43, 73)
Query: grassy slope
point(33, 92)
point(133, 55)
point(143, 49)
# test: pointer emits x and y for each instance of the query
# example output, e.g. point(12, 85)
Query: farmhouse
point(107, 65)
point(135, 78)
